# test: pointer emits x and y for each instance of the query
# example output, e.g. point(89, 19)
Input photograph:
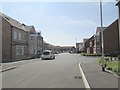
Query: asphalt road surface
point(62, 72)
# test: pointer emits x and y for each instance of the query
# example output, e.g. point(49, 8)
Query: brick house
point(98, 41)
point(14, 39)
point(85, 45)
point(79, 47)
point(67, 48)
point(39, 44)
point(0, 39)
point(90, 44)
point(48, 46)
point(111, 39)
point(32, 41)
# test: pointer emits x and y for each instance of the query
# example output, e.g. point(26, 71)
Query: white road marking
point(87, 86)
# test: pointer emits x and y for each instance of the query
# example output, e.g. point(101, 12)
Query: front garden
point(112, 64)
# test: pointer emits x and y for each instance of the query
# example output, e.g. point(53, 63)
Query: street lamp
point(101, 17)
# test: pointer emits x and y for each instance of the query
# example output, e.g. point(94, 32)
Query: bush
point(83, 54)
point(100, 62)
point(106, 58)
point(99, 54)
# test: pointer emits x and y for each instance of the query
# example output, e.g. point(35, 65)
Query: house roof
point(100, 28)
point(118, 3)
point(30, 29)
point(12, 21)
point(115, 22)
point(17, 24)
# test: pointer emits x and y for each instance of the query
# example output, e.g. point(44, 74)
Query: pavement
point(12, 65)
point(95, 76)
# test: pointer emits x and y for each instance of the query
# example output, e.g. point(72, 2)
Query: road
point(62, 72)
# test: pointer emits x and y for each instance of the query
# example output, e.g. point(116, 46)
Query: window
point(38, 48)
point(90, 44)
point(20, 50)
point(38, 41)
point(19, 36)
point(14, 35)
point(31, 38)
point(97, 38)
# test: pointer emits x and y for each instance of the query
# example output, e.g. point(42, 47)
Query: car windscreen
point(46, 53)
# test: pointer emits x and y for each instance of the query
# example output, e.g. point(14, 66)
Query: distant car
point(55, 52)
point(47, 54)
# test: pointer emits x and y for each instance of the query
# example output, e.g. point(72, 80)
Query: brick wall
point(111, 39)
point(0, 39)
point(6, 41)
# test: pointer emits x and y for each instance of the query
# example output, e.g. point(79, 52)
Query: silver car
point(47, 54)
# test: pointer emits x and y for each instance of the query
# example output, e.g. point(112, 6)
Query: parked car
point(47, 54)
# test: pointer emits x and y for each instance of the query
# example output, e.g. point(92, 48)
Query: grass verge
point(113, 65)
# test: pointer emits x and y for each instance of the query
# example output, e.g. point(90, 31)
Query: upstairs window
point(31, 38)
point(14, 35)
point(19, 36)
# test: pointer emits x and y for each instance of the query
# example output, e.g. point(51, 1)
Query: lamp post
point(101, 17)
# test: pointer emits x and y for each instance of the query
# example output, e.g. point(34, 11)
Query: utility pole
point(101, 17)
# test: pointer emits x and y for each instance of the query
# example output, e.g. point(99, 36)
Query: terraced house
point(39, 44)
point(19, 41)
point(14, 39)
point(98, 41)
point(90, 44)
point(32, 41)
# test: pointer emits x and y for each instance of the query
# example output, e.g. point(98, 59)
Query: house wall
point(6, 41)
point(89, 45)
point(19, 44)
point(119, 23)
point(39, 44)
point(32, 45)
point(0, 39)
point(77, 47)
point(98, 40)
point(86, 47)
point(111, 41)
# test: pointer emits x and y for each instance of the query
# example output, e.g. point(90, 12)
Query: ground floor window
point(33, 50)
point(20, 50)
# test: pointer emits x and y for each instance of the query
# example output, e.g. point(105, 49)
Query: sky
point(62, 23)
